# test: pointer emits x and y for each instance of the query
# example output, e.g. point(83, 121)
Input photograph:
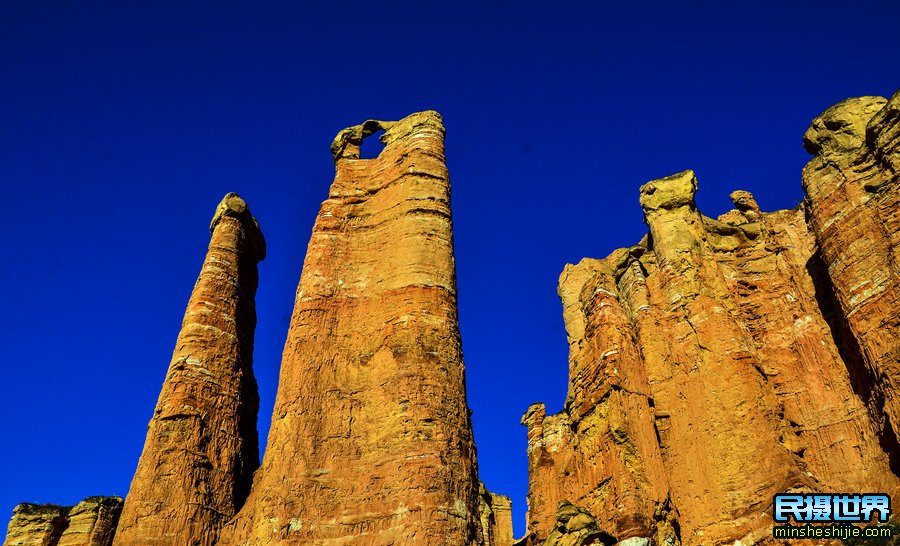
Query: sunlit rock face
point(371, 441)
point(91, 522)
point(202, 446)
point(720, 361)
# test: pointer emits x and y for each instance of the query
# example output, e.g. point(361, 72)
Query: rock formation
point(371, 441)
point(91, 522)
point(202, 446)
point(712, 365)
point(718, 362)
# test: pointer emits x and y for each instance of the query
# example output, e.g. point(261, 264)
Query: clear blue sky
point(122, 124)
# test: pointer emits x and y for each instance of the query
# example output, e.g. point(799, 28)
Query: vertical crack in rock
point(721, 361)
point(371, 441)
point(202, 445)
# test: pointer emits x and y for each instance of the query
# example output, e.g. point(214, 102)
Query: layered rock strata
point(202, 447)
point(721, 361)
point(92, 522)
point(371, 441)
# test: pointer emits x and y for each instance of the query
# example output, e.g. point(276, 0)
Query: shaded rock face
point(92, 522)
point(371, 441)
point(721, 361)
point(202, 447)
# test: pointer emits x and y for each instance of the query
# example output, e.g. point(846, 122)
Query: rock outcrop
point(92, 522)
point(202, 446)
point(371, 441)
point(721, 361)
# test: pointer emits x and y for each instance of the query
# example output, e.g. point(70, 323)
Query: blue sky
point(123, 124)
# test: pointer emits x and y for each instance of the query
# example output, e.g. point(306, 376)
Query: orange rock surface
point(719, 362)
point(202, 445)
point(371, 441)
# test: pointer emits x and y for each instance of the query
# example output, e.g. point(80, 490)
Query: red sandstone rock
point(202, 447)
point(371, 441)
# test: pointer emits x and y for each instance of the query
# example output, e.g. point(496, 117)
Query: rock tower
point(202, 446)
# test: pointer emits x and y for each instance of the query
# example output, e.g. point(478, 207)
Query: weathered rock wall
point(719, 362)
point(202, 446)
point(371, 441)
point(92, 522)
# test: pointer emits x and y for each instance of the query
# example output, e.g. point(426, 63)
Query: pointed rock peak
point(233, 206)
point(347, 142)
point(843, 126)
point(669, 193)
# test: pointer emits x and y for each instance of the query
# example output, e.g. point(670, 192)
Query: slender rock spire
point(202, 447)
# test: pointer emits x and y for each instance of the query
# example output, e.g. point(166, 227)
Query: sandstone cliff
point(371, 441)
point(720, 361)
point(91, 522)
point(202, 446)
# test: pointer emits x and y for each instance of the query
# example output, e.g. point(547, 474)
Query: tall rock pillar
point(202, 445)
point(371, 441)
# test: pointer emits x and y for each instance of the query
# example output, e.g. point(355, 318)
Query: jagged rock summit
point(721, 361)
point(713, 364)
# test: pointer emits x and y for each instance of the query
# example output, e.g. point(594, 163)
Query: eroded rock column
point(371, 441)
point(202, 447)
